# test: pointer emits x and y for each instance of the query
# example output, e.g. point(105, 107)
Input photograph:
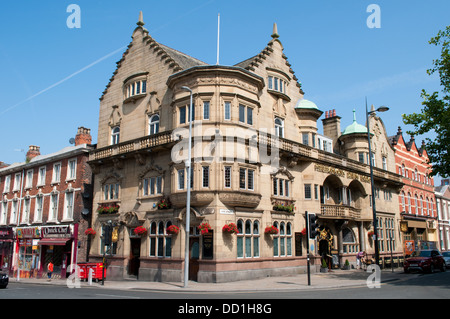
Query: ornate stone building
point(258, 161)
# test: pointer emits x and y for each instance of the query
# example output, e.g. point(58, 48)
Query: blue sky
point(52, 76)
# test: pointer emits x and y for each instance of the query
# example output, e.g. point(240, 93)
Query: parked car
point(425, 260)
point(446, 256)
point(4, 280)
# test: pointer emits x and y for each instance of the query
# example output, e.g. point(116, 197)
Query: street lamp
point(188, 195)
point(374, 211)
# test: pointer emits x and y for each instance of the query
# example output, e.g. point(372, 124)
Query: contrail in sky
point(96, 62)
point(63, 80)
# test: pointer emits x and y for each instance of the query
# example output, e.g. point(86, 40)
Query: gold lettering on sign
point(341, 173)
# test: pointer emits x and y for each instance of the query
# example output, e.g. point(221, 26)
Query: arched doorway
point(194, 240)
point(325, 241)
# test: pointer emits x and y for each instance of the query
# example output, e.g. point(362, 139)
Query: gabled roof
point(251, 63)
point(177, 60)
point(409, 145)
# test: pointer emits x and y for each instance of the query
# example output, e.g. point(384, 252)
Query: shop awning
point(53, 241)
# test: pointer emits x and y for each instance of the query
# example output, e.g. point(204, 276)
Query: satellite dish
point(72, 140)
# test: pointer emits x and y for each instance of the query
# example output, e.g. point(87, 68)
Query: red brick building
point(417, 202)
point(42, 209)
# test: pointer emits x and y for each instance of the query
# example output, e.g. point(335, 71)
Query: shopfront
point(58, 245)
point(6, 248)
point(27, 252)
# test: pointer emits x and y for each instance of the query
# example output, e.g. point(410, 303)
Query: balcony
point(340, 212)
point(144, 143)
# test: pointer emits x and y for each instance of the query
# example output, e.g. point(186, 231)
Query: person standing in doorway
point(50, 270)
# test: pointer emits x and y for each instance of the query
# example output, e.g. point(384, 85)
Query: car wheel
point(444, 267)
point(431, 269)
point(3, 286)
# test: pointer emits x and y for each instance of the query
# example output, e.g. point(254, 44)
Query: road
point(435, 286)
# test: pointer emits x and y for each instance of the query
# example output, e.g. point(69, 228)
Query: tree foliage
point(435, 116)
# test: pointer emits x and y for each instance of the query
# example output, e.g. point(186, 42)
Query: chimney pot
point(83, 136)
point(33, 151)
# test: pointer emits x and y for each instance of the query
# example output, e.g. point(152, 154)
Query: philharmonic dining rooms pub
point(258, 163)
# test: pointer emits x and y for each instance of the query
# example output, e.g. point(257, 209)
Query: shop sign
point(6, 233)
point(404, 227)
point(29, 232)
point(341, 173)
point(56, 232)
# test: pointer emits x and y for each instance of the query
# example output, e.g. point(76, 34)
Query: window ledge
point(279, 94)
point(134, 98)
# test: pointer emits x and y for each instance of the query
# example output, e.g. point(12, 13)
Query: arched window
point(282, 242)
point(416, 204)
point(349, 242)
point(421, 205)
point(154, 124)
point(403, 201)
point(408, 206)
point(279, 127)
point(160, 241)
point(247, 238)
point(115, 135)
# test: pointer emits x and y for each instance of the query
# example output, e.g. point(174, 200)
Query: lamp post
point(188, 195)
point(374, 210)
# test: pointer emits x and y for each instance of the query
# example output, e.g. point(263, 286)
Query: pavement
point(331, 280)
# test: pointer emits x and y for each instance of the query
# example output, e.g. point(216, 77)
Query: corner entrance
point(194, 253)
point(135, 254)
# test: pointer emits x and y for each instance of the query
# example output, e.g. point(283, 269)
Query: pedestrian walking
point(49, 270)
point(360, 259)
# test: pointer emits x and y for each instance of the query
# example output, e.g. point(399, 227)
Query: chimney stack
point(33, 151)
point(332, 127)
point(83, 136)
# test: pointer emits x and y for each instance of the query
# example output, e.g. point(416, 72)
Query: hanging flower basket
point(303, 232)
point(284, 207)
point(271, 230)
point(204, 228)
point(113, 209)
point(90, 231)
point(173, 230)
point(370, 233)
point(164, 204)
point(140, 231)
point(230, 229)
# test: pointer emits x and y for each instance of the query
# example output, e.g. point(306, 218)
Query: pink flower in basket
point(272, 230)
point(173, 230)
point(140, 231)
point(230, 228)
point(90, 231)
point(204, 228)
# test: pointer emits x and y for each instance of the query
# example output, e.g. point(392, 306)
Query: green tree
point(435, 116)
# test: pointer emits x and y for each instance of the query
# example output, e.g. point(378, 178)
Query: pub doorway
point(194, 254)
point(135, 254)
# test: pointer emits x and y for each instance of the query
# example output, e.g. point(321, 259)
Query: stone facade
point(257, 161)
